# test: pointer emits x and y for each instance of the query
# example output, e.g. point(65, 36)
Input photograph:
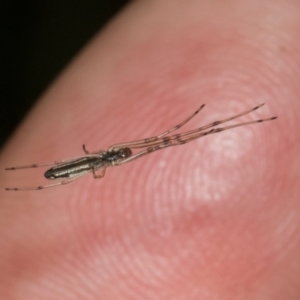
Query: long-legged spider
point(71, 169)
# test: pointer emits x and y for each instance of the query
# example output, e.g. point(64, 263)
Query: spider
point(69, 170)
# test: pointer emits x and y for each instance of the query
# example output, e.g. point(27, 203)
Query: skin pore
point(217, 218)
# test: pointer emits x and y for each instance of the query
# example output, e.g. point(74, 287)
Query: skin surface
point(218, 218)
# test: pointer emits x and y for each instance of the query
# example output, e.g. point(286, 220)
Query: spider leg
point(57, 162)
point(142, 143)
point(88, 152)
point(99, 176)
point(180, 139)
point(156, 140)
point(84, 149)
point(41, 187)
point(215, 130)
point(166, 139)
point(213, 124)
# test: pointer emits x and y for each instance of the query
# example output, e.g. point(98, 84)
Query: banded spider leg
point(162, 141)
